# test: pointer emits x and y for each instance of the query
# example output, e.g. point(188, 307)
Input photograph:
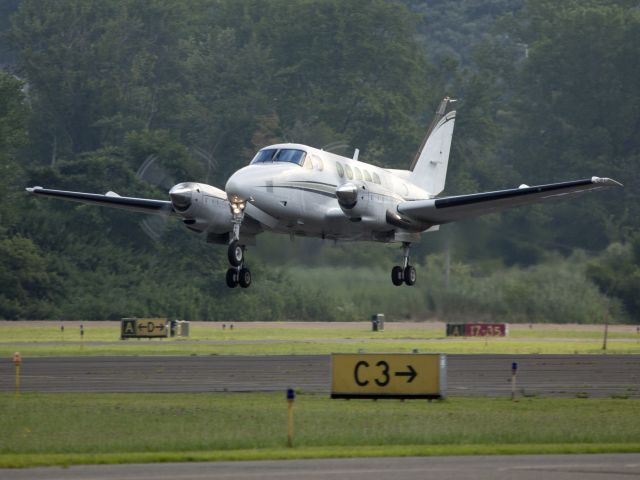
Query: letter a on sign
point(129, 327)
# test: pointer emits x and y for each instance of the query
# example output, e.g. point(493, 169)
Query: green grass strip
point(320, 347)
point(65, 429)
point(67, 459)
point(102, 338)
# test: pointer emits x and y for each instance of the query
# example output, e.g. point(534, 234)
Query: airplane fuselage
point(302, 197)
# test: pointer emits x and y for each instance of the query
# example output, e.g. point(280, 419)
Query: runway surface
point(467, 375)
point(529, 467)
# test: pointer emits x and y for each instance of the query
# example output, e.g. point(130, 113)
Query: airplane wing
point(437, 211)
point(111, 199)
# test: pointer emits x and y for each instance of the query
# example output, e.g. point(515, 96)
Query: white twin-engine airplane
point(299, 190)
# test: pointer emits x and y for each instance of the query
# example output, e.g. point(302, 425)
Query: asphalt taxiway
point(467, 375)
point(521, 467)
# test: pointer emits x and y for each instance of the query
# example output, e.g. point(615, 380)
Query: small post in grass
point(17, 361)
point(81, 336)
point(62, 331)
point(514, 371)
point(291, 396)
point(606, 331)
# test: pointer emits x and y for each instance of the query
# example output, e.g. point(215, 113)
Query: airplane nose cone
point(235, 189)
point(181, 196)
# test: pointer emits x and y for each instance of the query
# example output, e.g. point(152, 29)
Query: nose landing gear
point(238, 274)
point(405, 273)
point(235, 253)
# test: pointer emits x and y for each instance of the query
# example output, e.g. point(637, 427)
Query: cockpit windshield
point(271, 155)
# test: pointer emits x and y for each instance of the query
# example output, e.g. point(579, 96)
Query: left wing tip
point(33, 189)
point(609, 182)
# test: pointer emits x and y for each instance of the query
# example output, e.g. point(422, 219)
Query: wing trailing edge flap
point(111, 199)
point(437, 211)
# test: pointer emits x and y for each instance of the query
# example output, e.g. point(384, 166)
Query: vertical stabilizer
point(429, 167)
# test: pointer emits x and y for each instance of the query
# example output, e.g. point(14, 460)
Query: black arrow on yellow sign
point(411, 374)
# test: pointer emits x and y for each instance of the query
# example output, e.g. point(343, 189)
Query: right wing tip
point(33, 189)
point(609, 182)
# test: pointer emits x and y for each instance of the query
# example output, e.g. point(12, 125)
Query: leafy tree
point(99, 69)
point(577, 109)
point(617, 273)
point(13, 135)
point(25, 284)
point(356, 68)
point(136, 95)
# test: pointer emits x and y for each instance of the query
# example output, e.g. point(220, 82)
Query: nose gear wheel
point(244, 277)
point(232, 278)
point(235, 253)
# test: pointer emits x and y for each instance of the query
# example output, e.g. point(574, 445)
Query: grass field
point(41, 429)
point(63, 429)
point(280, 338)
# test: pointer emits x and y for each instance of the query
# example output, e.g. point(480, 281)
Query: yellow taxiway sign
point(388, 375)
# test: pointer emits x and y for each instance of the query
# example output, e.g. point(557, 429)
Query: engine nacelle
point(355, 201)
point(202, 207)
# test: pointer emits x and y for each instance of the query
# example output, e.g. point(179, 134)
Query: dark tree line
point(94, 90)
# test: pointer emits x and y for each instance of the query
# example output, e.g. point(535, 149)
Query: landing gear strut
point(405, 273)
point(238, 274)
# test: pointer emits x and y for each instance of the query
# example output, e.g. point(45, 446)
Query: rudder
point(429, 167)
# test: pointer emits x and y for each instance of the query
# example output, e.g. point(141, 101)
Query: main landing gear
point(238, 274)
point(405, 273)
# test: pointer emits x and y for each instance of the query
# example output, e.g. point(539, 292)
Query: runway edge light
point(291, 396)
point(17, 361)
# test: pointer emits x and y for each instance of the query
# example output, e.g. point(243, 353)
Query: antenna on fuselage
point(356, 154)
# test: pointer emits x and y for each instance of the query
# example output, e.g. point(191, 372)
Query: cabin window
point(340, 169)
point(349, 172)
point(358, 173)
point(367, 176)
point(317, 162)
point(376, 178)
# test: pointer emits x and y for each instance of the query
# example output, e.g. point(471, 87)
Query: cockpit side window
point(291, 156)
point(358, 173)
point(367, 176)
point(264, 156)
point(308, 163)
point(376, 178)
point(317, 162)
point(288, 155)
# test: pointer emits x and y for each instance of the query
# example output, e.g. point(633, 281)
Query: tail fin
point(429, 167)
